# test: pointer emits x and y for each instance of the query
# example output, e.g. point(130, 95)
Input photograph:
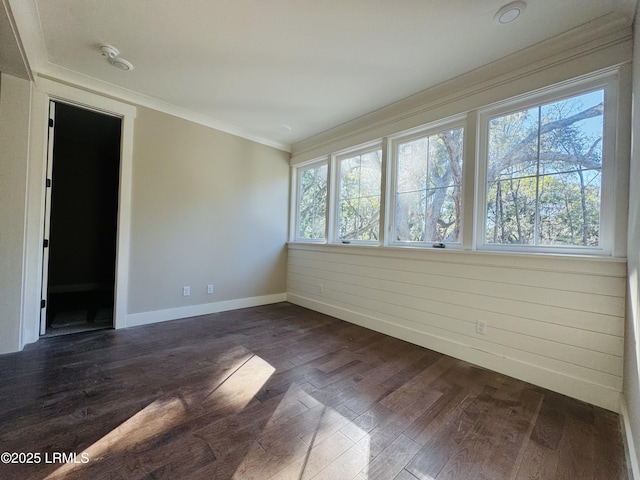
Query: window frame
point(295, 201)
point(606, 82)
point(433, 128)
point(475, 122)
point(335, 186)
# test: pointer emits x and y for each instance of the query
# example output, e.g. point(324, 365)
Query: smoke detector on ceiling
point(113, 56)
point(109, 51)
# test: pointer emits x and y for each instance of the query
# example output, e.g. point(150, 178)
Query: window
point(544, 172)
point(358, 216)
point(428, 187)
point(312, 202)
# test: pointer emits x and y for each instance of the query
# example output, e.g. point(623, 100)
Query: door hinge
point(45, 244)
point(48, 182)
point(50, 123)
point(43, 303)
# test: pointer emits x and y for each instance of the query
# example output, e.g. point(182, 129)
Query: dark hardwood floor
point(283, 392)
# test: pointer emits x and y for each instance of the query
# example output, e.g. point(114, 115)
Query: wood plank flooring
point(286, 393)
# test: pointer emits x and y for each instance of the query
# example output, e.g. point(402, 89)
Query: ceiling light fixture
point(510, 12)
point(112, 54)
point(121, 63)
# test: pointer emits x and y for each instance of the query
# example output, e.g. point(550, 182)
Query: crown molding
point(601, 34)
point(94, 85)
point(27, 21)
point(29, 31)
point(24, 71)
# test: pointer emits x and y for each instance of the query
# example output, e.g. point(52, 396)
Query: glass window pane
point(348, 214)
point(410, 216)
point(349, 177)
point(359, 202)
point(369, 218)
point(412, 165)
point(428, 201)
point(570, 209)
point(312, 203)
point(512, 211)
point(571, 134)
point(513, 145)
point(442, 223)
point(544, 174)
point(445, 159)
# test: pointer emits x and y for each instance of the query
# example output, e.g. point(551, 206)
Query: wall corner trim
point(156, 316)
point(630, 447)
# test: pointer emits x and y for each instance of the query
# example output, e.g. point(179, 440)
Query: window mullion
point(385, 193)
point(426, 188)
point(358, 216)
point(333, 192)
point(469, 186)
point(536, 227)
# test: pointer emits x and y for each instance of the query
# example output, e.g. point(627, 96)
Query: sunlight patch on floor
point(242, 384)
point(306, 439)
point(233, 392)
point(156, 418)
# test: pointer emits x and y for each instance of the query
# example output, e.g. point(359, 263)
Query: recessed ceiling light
point(121, 63)
point(285, 128)
point(510, 12)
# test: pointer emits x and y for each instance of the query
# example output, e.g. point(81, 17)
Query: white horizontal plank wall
point(553, 321)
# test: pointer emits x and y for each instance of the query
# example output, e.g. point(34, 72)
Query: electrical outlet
point(209, 289)
point(321, 288)
point(481, 327)
point(186, 291)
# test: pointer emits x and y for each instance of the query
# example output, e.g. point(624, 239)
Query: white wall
point(207, 208)
point(15, 107)
point(556, 321)
point(632, 330)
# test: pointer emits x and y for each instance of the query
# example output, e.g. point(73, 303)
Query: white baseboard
point(632, 458)
point(556, 381)
point(145, 318)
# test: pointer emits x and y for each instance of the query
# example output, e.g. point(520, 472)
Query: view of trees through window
point(359, 204)
point(544, 173)
point(540, 184)
point(428, 202)
point(312, 202)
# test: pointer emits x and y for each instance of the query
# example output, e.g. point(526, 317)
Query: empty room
point(320, 240)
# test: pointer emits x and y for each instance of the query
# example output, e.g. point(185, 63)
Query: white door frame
point(47, 90)
point(47, 220)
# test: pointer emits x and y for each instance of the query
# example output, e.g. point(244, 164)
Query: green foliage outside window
point(429, 188)
point(312, 203)
point(544, 174)
point(359, 204)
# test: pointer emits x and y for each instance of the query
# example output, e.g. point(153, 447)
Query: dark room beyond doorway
point(83, 220)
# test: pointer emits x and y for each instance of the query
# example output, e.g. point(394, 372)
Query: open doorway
point(81, 220)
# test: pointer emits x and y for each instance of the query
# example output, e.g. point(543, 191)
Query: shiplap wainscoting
point(554, 321)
